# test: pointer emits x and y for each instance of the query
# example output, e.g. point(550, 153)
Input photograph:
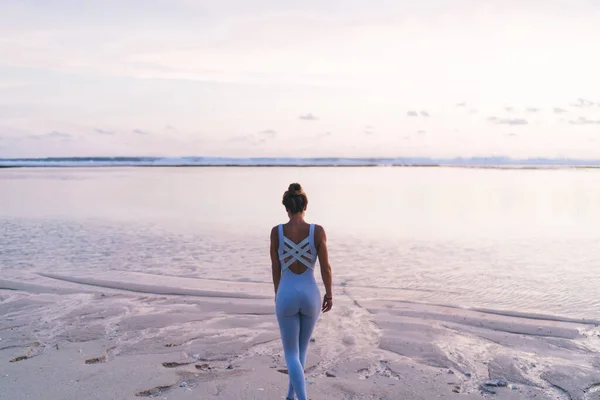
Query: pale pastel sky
point(305, 78)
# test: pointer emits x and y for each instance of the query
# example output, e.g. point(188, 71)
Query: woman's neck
point(296, 218)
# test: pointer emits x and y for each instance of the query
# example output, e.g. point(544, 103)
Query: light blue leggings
point(297, 308)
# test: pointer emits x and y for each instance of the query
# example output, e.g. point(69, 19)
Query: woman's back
point(296, 248)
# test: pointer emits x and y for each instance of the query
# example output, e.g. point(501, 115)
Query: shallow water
point(513, 240)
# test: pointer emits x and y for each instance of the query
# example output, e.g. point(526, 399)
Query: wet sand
point(126, 335)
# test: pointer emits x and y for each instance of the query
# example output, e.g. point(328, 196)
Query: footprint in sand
point(32, 352)
point(96, 360)
point(155, 391)
point(174, 364)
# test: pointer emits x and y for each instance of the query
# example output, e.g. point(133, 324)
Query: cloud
point(413, 113)
point(240, 138)
point(141, 132)
point(52, 135)
point(508, 121)
point(583, 103)
point(533, 109)
point(558, 110)
point(308, 117)
point(585, 121)
point(58, 135)
point(268, 132)
point(103, 132)
point(464, 106)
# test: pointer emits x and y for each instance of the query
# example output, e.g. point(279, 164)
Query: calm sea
point(507, 239)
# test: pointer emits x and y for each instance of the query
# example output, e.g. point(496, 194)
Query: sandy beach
point(435, 165)
point(131, 335)
point(134, 283)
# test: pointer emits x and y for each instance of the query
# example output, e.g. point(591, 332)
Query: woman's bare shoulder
point(275, 231)
point(319, 231)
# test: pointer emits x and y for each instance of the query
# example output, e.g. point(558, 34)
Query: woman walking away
point(295, 247)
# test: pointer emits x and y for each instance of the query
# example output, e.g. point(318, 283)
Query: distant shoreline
point(514, 167)
point(492, 162)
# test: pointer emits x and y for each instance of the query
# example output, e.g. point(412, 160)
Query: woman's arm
point(275, 265)
point(323, 254)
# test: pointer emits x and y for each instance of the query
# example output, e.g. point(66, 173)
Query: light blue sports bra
point(304, 252)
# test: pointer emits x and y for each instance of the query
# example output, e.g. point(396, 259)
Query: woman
point(295, 247)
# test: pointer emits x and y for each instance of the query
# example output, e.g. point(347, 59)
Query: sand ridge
point(117, 335)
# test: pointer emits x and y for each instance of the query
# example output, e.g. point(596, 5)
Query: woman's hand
point(327, 303)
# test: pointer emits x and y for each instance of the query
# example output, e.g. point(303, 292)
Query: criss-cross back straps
point(289, 252)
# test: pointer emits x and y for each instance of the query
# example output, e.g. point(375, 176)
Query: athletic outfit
point(297, 306)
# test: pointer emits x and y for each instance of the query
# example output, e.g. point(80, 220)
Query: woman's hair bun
point(295, 199)
point(294, 188)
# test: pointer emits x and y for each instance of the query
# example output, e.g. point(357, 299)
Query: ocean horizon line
point(208, 161)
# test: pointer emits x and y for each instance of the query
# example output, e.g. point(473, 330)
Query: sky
point(317, 78)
